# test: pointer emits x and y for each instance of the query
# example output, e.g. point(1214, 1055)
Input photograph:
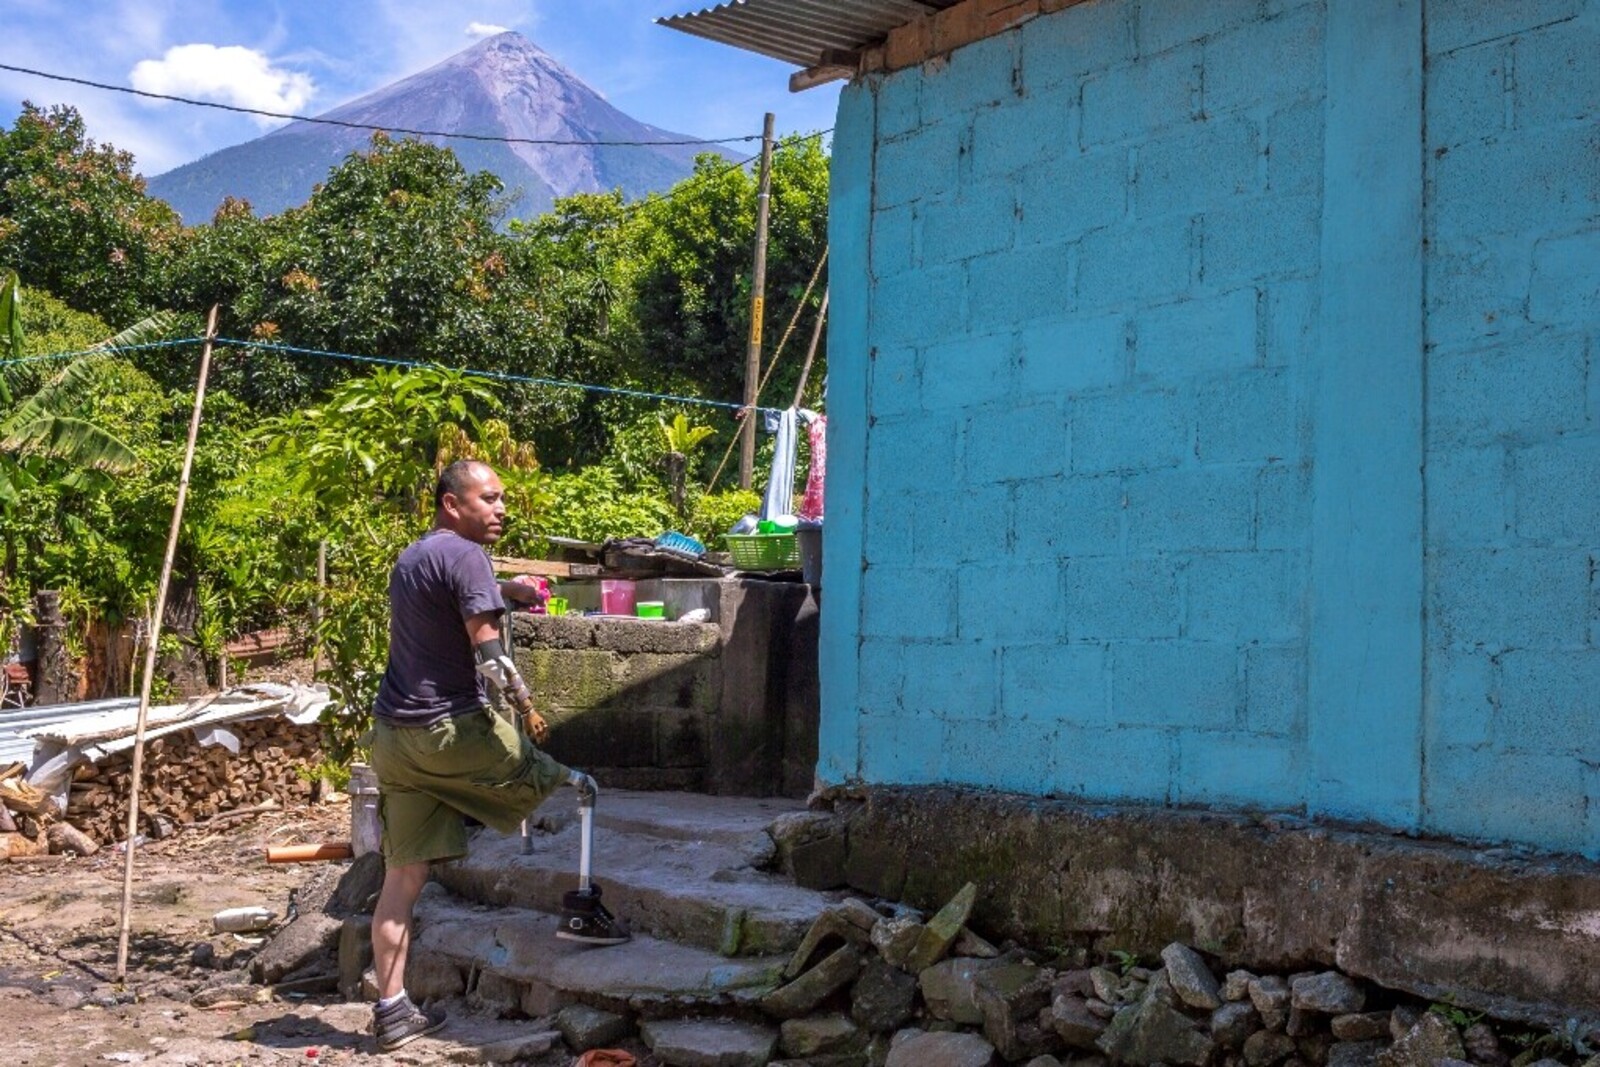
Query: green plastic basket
point(764, 552)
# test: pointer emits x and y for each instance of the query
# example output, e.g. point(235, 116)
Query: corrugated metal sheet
point(14, 748)
point(799, 31)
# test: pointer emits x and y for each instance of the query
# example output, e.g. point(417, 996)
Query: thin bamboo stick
point(131, 843)
point(811, 353)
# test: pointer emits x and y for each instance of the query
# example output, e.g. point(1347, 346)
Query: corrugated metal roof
point(14, 748)
point(800, 31)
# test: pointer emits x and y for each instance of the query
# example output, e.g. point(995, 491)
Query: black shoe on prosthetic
point(403, 1022)
point(585, 919)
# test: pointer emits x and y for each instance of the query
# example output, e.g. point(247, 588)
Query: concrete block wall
point(1131, 412)
point(1512, 745)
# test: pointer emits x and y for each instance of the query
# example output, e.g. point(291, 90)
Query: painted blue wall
point(1212, 414)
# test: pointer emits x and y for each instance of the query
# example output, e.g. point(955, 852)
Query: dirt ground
point(60, 1005)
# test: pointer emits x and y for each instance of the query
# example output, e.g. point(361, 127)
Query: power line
point(369, 126)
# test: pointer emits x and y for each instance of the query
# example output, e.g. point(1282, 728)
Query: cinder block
point(1236, 75)
point(1191, 509)
point(1209, 335)
point(951, 525)
point(1556, 489)
point(886, 534)
point(1012, 756)
point(901, 452)
point(1176, 683)
point(1011, 289)
point(1488, 795)
point(1020, 601)
point(1133, 101)
point(1199, 167)
point(1463, 687)
point(919, 307)
point(980, 220)
point(1292, 309)
point(1525, 389)
point(975, 76)
point(681, 738)
point(1283, 506)
point(1537, 181)
point(1063, 357)
point(925, 163)
point(1294, 150)
point(1049, 683)
point(1071, 194)
point(1558, 79)
point(951, 679)
point(1468, 497)
point(1015, 443)
point(968, 372)
point(1130, 431)
point(1136, 264)
point(1529, 598)
point(1476, 288)
point(1249, 418)
point(895, 245)
point(1271, 237)
point(1247, 597)
point(1547, 702)
point(1275, 691)
point(1073, 516)
point(899, 100)
point(882, 675)
point(1466, 95)
point(908, 602)
point(1566, 279)
point(899, 750)
point(896, 383)
point(1237, 770)
point(1172, 23)
point(1019, 133)
point(1121, 597)
point(1059, 48)
point(1456, 24)
point(1120, 763)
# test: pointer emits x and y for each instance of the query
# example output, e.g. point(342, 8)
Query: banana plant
point(681, 439)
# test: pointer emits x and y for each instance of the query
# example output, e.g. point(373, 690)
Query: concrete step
point(509, 960)
point(681, 867)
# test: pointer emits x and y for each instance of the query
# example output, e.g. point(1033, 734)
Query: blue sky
point(308, 56)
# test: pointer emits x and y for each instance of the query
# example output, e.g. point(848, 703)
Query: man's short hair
point(455, 479)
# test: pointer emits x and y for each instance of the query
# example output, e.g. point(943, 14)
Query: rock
point(369, 986)
point(203, 955)
point(859, 912)
point(1190, 978)
point(883, 997)
point(820, 1035)
point(1160, 987)
point(833, 925)
point(1401, 1020)
point(1074, 1023)
point(1464, 1063)
point(1009, 997)
point(811, 848)
point(358, 886)
point(1429, 1040)
point(1330, 993)
point(496, 994)
point(1270, 995)
point(1236, 986)
point(508, 1050)
point(1155, 1032)
point(916, 1048)
point(948, 989)
point(800, 996)
point(1074, 983)
point(970, 944)
point(1100, 1008)
point(1233, 1022)
point(1106, 982)
point(1483, 1046)
point(1267, 1047)
point(1301, 1023)
point(355, 954)
point(64, 838)
point(1354, 1053)
point(942, 930)
point(584, 1028)
point(1043, 1061)
point(311, 938)
point(428, 977)
point(709, 1042)
point(895, 938)
point(1362, 1026)
point(1313, 1048)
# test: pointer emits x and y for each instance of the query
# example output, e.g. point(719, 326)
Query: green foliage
point(10, 319)
point(593, 504)
point(680, 436)
point(713, 514)
point(1457, 1016)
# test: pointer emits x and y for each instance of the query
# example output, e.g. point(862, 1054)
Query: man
point(439, 752)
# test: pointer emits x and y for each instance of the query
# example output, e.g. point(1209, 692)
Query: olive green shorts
point(476, 764)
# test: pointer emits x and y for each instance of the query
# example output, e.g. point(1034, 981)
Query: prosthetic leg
point(583, 917)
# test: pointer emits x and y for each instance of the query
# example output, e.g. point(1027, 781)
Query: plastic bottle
point(241, 920)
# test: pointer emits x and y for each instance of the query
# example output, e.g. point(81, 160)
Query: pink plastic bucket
point(616, 597)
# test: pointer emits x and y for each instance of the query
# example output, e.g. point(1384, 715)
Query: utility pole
point(758, 305)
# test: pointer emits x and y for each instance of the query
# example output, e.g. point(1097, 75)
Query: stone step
point(681, 867)
point(509, 960)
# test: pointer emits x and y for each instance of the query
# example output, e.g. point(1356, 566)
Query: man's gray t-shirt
point(436, 585)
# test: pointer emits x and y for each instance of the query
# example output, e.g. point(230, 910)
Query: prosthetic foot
point(583, 917)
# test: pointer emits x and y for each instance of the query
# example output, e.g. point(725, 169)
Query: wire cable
point(322, 121)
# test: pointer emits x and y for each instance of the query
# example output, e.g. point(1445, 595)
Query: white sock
point(385, 1003)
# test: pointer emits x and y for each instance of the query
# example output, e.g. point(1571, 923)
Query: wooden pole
point(130, 844)
point(758, 305)
point(811, 353)
point(316, 608)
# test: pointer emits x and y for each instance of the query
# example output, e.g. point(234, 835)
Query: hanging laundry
point(780, 486)
point(811, 503)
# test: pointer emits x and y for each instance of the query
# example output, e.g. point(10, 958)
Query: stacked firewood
point(185, 782)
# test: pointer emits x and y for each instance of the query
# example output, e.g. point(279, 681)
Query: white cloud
point(228, 74)
point(476, 30)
